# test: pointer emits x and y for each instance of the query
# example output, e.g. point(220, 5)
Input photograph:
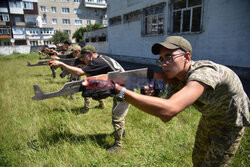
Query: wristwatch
point(120, 96)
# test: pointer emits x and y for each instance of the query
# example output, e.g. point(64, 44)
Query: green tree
point(78, 34)
point(60, 36)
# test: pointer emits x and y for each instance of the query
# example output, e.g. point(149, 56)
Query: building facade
point(218, 30)
point(69, 15)
point(5, 26)
point(34, 22)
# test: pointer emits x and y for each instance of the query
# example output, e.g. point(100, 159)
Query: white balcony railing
point(95, 4)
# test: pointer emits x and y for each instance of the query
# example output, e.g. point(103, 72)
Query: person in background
point(67, 47)
point(59, 48)
point(95, 65)
point(76, 50)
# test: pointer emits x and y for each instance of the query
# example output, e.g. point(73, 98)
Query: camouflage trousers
point(87, 102)
point(215, 143)
point(119, 111)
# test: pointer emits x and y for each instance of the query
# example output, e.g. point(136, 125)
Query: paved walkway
point(131, 66)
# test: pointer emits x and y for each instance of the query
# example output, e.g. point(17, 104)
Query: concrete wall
point(126, 39)
point(7, 50)
point(226, 33)
point(224, 38)
point(101, 47)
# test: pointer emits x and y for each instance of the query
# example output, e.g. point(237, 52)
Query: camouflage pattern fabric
point(87, 102)
point(224, 100)
point(119, 112)
point(225, 110)
point(215, 144)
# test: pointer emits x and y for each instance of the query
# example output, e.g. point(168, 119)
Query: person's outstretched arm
point(73, 70)
point(165, 109)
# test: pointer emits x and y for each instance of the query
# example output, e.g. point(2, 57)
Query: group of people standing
point(214, 90)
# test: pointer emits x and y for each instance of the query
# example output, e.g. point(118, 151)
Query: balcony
point(19, 24)
point(3, 9)
point(5, 36)
point(21, 36)
point(5, 33)
point(3, 23)
point(31, 24)
point(95, 4)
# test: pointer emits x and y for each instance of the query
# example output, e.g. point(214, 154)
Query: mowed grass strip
point(52, 132)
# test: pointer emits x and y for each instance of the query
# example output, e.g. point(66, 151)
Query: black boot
point(114, 149)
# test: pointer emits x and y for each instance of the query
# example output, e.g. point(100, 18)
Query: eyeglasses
point(168, 58)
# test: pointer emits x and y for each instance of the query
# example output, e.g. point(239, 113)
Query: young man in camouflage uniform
point(96, 65)
point(66, 47)
point(215, 90)
point(76, 50)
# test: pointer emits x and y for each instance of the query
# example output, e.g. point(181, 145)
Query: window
point(4, 31)
point(4, 17)
point(33, 43)
point(132, 16)
point(67, 31)
point(65, 0)
point(105, 22)
point(153, 20)
point(44, 20)
point(15, 4)
point(88, 12)
point(54, 21)
point(78, 22)
point(43, 9)
point(32, 32)
point(27, 5)
point(102, 38)
point(93, 39)
point(90, 0)
point(66, 21)
point(88, 22)
point(47, 31)
point(18, 30)
point(18, 19)
point(30, 20)
point(6, 43)
point(77, 1)
point(65, 10)
point(99, 1)
point(47, 42)
point(53, 9)
point(115, 20)
point(186, 16)
point(77, 11)
point(97, 12)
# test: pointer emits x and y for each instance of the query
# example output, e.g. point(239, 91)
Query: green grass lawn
point(52, 132)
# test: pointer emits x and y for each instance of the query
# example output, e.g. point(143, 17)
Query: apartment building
point(69, 15)
point(5, 28)
point(34, 22)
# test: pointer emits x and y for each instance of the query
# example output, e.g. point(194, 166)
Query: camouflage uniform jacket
point(224, 100)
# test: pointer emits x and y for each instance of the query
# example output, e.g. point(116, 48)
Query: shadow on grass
point(75, 111)
point(46, 141)
point(40, 75)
